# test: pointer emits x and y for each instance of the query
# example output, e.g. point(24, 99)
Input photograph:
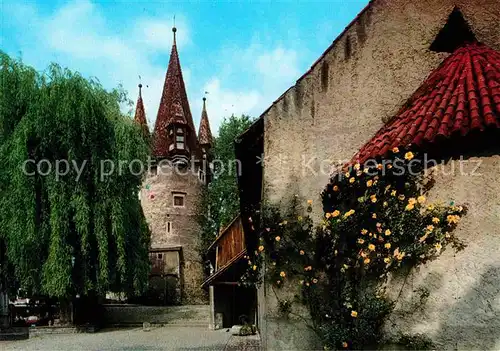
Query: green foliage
point(221, 197)
point(72, 233)
point(376, 221)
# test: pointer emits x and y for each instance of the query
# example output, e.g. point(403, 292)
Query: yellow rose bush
point(371, 227)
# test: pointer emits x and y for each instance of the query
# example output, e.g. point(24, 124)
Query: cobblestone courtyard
point(162, 338)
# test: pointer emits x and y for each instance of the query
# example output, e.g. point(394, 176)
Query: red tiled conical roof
point(204, 133)
point(174, 108)
point(461, 95)
point(140, 115)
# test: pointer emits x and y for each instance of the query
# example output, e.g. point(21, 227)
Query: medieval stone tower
point(172, 190)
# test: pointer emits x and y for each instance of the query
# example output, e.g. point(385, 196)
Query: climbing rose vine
point(376, 220)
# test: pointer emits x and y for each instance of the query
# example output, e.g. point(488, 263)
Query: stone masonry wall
point(184, 228)
point(337, 106)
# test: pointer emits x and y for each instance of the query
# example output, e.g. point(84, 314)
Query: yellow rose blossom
point(344, 344)
point(409, 155)
point(393, 193)
point(335, 188)
point(371, 247)
point(307, 283)
point(452, 219)
point(254, 267)
point(387, 260)
point(335, 213)
point(374, 199)
point(395, 149)
point(315, 281)
point(421, 199)
point(282, 274)
point(369, 183)
point(379, 166)
point(360, 241)
point(351, 180)
point(347, 174)
point(261, 248)
point(409, 207)
point(367, 260)
point(348, 213)
point(374, 215)
point(363, 254)
point(385, 204)
point(401, 197)
point(277, 238)
point(412, 201)
point(435, 220)
point(389, 166)
point(354, 314)
point(328, 215)
point(438, 246)
point(387, 232)
point(301, 252)
point(307, 268)
point(387, 246)
point(430, 227)
point(357, 166)
point(364, 231)
point(430, 207)
point(299, 218)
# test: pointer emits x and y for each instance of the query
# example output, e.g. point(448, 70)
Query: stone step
point(131, 315)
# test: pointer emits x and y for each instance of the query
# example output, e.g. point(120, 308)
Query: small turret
point(140, 115)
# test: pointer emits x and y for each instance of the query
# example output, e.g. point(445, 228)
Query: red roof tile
point(204, 133)
point(174, 108)
point(461, 95)
point(140, 115)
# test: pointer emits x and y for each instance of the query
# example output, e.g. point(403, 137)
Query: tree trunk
point(65, 311)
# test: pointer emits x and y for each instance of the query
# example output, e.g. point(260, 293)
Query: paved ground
point(163, 338)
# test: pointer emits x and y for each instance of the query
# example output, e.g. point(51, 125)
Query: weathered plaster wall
point(366, 76)
point(463, 307)
point(184, 228)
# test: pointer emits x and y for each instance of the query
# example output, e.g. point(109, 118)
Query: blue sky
point(245, 53)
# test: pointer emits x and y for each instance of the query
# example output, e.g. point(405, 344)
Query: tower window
point(160, 256)
point(179, 199)
point(169, 227)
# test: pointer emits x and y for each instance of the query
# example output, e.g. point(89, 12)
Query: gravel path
point(163, 338)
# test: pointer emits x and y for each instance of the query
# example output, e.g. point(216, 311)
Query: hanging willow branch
point(75, 233)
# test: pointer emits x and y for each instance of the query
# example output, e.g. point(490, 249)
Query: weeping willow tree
point(77, 229)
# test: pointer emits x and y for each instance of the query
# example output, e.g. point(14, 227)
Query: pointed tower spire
point(140, 114)
point(204, 133)
point(174, 133)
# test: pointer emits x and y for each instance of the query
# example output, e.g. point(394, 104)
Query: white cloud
point(156, 34)
point(224, 102)
point(266, 74)
point(82, 34)
point(279, 63)
point(243, 80)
